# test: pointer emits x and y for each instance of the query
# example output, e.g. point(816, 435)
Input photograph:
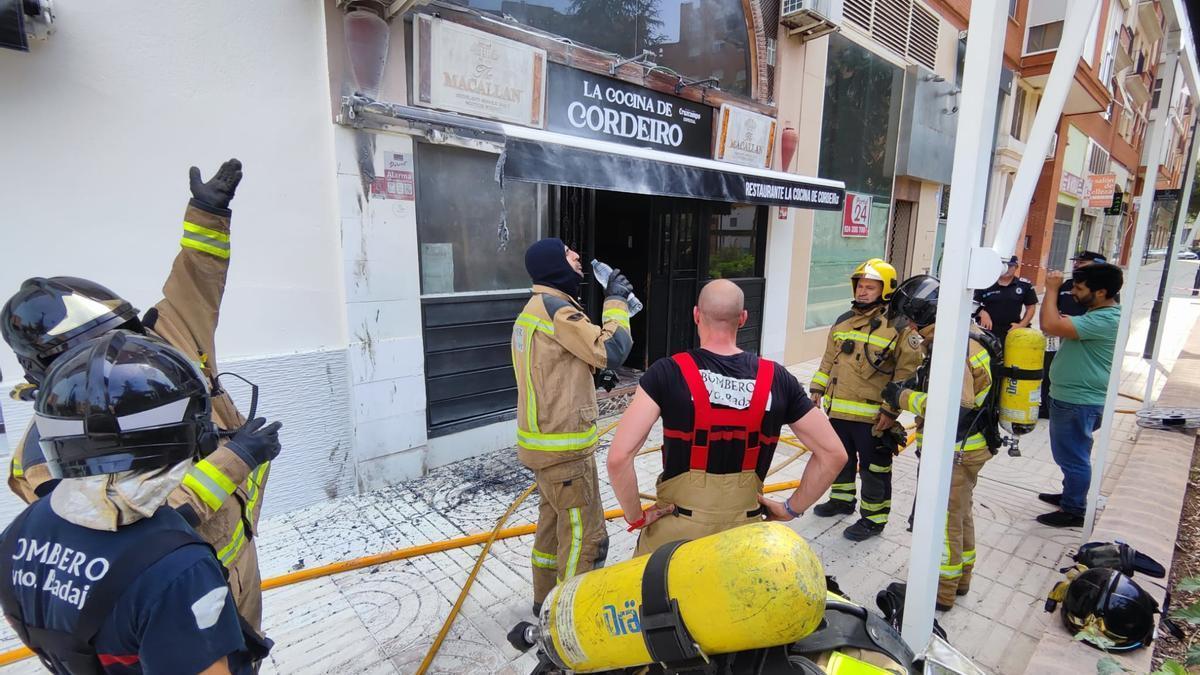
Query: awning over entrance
point(546, 157)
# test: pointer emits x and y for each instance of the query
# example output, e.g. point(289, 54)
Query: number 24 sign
point(856, 216)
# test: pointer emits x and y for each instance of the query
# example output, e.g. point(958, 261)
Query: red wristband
point(636, 525)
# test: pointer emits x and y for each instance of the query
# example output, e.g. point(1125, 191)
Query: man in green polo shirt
point(1079, 381)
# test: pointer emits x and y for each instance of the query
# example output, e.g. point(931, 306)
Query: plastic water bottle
point(603, 271)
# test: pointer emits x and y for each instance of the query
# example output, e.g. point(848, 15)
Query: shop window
point(733, 243)
point(858, 145)
point(690, 37)
point(472, 234)
point(1044, 38)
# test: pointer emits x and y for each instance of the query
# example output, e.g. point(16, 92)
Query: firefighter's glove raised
point(256, 442)
point(891, 394)
point(215, 195)
point(619, 286)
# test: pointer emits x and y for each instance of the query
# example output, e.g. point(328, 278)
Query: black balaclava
point(546, 263)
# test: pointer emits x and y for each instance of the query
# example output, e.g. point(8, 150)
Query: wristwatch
point(788, 507)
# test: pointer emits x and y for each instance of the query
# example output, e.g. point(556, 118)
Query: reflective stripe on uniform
point(842, 491)
point(557, 442)
point(820, 379)
point(576, 543)
point(200, 238)
point(841, 405)
point(207, 482)
point(916, 403)
point(875, 468)
point(875, 506)
point(879, 518)
point(946, 570)
point(968, 557)
point(525, 355)
point(17, 471)
point(842, 664)
point(950, 571)
point(982, 359)
point(859, 336)
point(973, 442)
point(536, 323)
point(544, 560)
point(981, 397)
point(621, 316)
point(256, 486)
point(229, 552)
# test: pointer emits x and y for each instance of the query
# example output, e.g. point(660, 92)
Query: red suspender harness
point(745, 425)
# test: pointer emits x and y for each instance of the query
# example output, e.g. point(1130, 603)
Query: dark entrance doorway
point(668, 247)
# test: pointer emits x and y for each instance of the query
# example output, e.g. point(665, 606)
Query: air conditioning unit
point(811, 18)
point(1053, 146)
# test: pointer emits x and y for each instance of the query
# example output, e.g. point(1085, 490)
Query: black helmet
point(49, 316)
point(1110, 609)
point(916, 300)
point(122, 402)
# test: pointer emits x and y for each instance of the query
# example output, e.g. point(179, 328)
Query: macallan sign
point(745, 137)
point(469, 71)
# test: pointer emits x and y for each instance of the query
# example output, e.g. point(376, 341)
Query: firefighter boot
point(833, 507)
point(862, 530)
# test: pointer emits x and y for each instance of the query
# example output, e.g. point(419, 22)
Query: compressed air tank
point(750, 587)
point(1021, 384)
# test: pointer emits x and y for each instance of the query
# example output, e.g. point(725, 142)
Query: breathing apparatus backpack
point(987, 419)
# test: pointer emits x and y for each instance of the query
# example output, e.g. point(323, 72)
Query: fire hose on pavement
point(485, 538)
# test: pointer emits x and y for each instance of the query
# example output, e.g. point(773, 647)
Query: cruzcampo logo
point(622, 622)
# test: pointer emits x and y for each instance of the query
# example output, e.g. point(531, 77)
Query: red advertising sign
point(856, 216)
point(1100, 189)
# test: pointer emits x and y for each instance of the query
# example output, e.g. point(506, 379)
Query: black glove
point(256, 444)
point(891, 394)
point(619, 286)
point(606, 379)
point(215, 195)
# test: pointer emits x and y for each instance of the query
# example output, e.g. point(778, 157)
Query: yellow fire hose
point(486, 538)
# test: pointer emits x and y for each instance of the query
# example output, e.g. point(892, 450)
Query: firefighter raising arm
point(827, 456)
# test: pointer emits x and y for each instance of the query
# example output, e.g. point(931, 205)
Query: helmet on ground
point(880, 271)
point(122, 402)
point(1109, 611)
point(916, 299)
point(46, 317)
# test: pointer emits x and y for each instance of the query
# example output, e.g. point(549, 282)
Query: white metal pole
point(1145, 203)
point(972, 161)
point(1045, 123)
point(1181, 207)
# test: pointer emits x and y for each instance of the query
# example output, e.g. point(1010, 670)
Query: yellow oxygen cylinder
point(753, 586)
point(1021, 386)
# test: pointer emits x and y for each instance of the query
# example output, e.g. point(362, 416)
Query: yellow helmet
point(880, 271)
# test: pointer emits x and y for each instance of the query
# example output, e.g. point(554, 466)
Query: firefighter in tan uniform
point(221, 495)
point(556, 351)
point(864, 353)
point(917, 300)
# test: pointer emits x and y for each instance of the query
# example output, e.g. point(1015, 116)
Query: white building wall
point(101, 124)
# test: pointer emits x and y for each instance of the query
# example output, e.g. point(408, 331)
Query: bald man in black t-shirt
point(722, 410)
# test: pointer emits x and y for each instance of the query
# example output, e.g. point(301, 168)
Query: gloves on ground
point(255, 443)
point(215, 195)
point(619, 286)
